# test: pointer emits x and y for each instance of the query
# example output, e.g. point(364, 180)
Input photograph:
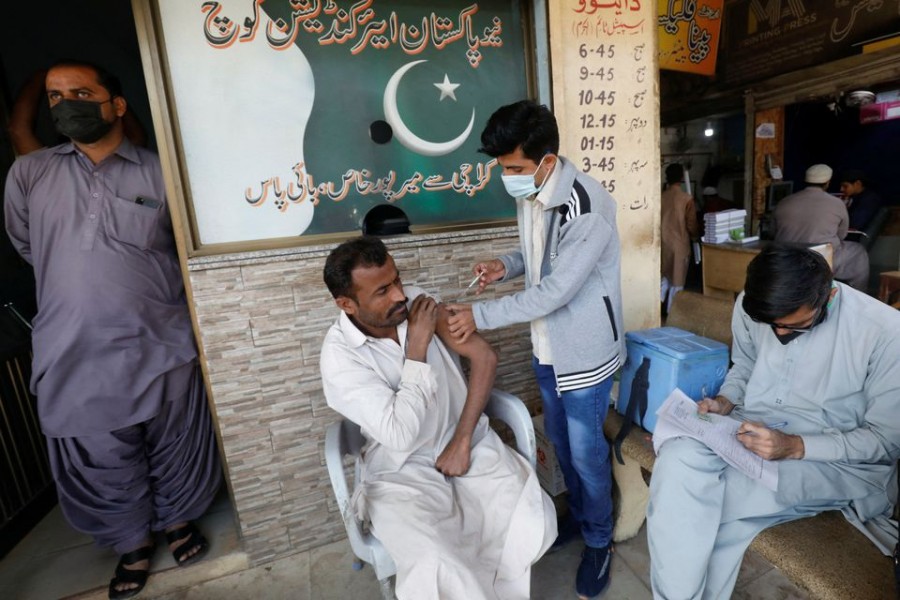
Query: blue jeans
point(574, 423)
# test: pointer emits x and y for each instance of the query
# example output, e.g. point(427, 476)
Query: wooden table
point(725, 266)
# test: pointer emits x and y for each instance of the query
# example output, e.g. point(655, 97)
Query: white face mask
point(522, 186)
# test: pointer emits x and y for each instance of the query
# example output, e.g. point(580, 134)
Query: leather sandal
point(195, 539)
point(136, 576)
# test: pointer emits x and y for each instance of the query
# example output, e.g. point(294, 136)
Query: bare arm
point(24, 114)
point(454, 460)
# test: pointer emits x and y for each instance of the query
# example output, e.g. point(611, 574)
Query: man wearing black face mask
point(120, 396)
point(816, 380)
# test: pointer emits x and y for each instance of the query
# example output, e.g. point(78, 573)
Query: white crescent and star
point(403, 134)
point(447, 88)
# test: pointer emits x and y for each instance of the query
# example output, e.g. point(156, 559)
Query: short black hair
point(854, 175)
point(525, 123)
point(782, 279)
point(106, 79)
point(363, 251)
point(674, 173)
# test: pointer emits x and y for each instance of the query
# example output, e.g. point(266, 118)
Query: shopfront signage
point(765, 38)
point(296, 117)
point(689, 35)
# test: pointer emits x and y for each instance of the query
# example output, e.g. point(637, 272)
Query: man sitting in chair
point(461, 514)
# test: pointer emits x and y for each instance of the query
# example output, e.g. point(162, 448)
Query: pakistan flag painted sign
point(298, 116)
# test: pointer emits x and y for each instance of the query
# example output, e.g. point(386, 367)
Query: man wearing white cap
point(813, 216)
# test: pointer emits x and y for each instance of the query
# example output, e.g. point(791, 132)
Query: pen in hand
point(778, 425)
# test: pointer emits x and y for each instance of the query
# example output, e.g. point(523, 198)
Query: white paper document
point(678, 417)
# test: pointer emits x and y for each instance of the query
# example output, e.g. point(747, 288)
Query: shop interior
point(855, 129)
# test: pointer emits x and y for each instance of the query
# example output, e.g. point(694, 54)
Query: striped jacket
point(579, 294)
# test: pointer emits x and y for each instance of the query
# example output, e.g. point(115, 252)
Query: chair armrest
point(512, 411)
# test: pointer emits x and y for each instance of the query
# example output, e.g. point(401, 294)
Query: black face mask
point(80, 120)
point(786, 338)
point(792, 335)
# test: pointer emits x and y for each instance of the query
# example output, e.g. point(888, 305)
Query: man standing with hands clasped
point(570, 259)
point(821, 362)
point(119, 391)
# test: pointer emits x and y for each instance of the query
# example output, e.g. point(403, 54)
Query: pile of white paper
point(718, 225)
point(678, 417)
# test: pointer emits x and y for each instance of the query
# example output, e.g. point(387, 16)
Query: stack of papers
point(746, 240)
point(718, 225)
point(678, 417)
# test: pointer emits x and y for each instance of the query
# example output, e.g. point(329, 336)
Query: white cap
point(818, 174)
point(710, 190)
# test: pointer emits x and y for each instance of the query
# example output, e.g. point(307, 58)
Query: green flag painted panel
point(298, 116)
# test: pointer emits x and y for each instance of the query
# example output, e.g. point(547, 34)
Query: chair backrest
point(875, 226)
point(705, 316)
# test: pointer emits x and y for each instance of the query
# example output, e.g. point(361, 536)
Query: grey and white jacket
point(579, 294)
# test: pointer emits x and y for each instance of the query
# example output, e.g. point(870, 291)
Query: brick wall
point(262, 317)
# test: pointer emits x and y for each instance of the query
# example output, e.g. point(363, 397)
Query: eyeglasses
point(817, 318)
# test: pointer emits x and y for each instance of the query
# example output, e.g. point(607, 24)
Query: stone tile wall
point(262, 317)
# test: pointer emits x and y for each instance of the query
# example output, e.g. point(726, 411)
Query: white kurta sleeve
point(357, 391)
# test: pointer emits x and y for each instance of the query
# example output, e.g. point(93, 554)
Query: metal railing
point(24, 466)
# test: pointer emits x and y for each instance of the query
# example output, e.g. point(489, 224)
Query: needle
point(474, 281)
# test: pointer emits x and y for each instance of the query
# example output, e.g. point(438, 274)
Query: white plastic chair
point(344, 437)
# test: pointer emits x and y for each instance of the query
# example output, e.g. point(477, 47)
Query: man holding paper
point(823, 360)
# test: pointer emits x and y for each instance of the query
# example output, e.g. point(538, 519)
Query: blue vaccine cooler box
point(678, 359)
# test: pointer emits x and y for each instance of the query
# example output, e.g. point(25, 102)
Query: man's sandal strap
point(195, 539)
point(135, 576)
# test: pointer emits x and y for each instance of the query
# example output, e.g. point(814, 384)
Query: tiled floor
point(55, 562)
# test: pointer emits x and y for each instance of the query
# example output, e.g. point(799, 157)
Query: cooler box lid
point(676, 343)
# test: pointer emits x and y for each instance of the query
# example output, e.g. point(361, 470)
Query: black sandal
point(123, 575)
point(195, 539)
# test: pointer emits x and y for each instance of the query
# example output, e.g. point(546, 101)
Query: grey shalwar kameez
point(813, 216)
point(838, 388)
point(115, 367)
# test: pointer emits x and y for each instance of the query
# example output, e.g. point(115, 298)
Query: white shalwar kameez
point(468, 537)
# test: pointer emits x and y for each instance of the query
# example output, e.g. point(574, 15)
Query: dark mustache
point(397, 307)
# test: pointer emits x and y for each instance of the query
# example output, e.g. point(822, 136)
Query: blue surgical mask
point(522, 186)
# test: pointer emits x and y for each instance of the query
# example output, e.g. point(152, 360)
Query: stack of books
point(719, 225)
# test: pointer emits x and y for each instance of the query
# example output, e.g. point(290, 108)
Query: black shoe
point(593, 572)
point(567, 529)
